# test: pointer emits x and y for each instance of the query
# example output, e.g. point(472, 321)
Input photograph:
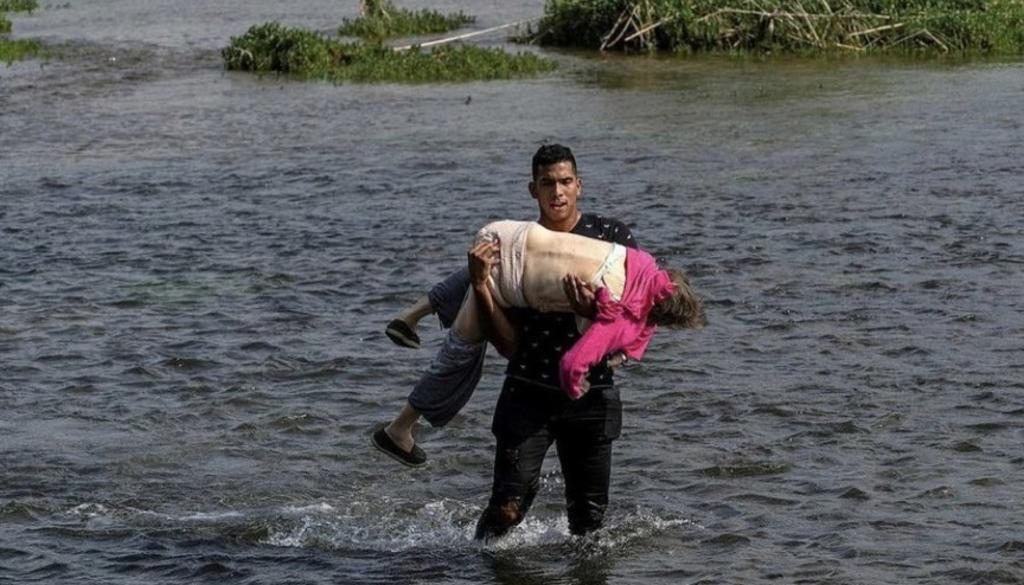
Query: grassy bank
point(385, 21)
point(987, 26)
point(274, 48)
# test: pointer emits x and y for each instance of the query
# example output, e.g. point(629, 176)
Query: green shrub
point(386, 21)
point(5, 24)
point(274, 48)
point(444, 63)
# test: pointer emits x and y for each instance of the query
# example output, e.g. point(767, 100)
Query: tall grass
point(991, 26)
point(274, 48)
point(384, 21)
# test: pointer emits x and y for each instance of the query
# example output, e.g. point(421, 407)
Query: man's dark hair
point(551, 154)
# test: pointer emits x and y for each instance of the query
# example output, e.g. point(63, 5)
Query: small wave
point(965, 447)
point(320, 508)
point(906, 351)
point(395, 528)
point(60, 357)
point(211, 516)
point(980, 576)
point(15, 511)
point(988, 427)
point(727, 539)
point(1014, 546)
point(188, 364)
point(854, 493)
point(259, 346)
point(446, 525)
point(89, 510)
point(941, 492)
point(763, 499)
point(746, 470)
point(871, 285)
point(986, 482)
point(49, 571)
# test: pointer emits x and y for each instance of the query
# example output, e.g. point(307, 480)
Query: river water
point(196, 267)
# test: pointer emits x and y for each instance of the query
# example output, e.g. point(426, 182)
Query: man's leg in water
point(523, 438)
point(586, 469)
point(516, 481)
point(584, 435)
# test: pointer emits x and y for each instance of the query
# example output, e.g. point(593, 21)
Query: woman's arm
point(494, 321)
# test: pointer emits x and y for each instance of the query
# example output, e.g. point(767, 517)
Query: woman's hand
point(482, 257)
point(582, 296)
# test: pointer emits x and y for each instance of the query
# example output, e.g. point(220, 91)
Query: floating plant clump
point(274, 48)
point(382, 20)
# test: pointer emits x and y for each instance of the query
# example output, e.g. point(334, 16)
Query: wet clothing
point(446, 296)
point(544, 337)
point(527, 420)
point(533, 412)
point(449, 382)
point(619, 325)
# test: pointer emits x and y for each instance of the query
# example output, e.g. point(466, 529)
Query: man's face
point(556, 188)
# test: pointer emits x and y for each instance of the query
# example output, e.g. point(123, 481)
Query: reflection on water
point(195, 268)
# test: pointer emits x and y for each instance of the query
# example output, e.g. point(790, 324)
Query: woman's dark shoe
point(400, 332)
point(380, 439)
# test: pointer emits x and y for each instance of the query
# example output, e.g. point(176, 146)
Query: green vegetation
point(273, 47)
point(14, 50)
point(381, 20)
point(990, 26)
point(18, 5)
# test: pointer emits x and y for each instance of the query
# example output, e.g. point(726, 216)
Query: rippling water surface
point(196, 266)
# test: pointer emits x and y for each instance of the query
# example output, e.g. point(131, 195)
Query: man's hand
point(616, 360)
point(482, 257)
point(582, 296)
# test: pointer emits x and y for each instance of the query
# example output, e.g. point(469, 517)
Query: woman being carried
point(523, 264)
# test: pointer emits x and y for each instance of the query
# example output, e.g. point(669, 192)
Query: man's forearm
point(495, 323)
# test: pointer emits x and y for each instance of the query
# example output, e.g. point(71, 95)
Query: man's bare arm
point(494, 322)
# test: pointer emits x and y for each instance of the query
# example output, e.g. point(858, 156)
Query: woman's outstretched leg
point(444, 298)
point(402, 329)
point(400, 429)
point(443, 389)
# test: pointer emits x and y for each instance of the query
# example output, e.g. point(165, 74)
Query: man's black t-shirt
point(544, 337)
